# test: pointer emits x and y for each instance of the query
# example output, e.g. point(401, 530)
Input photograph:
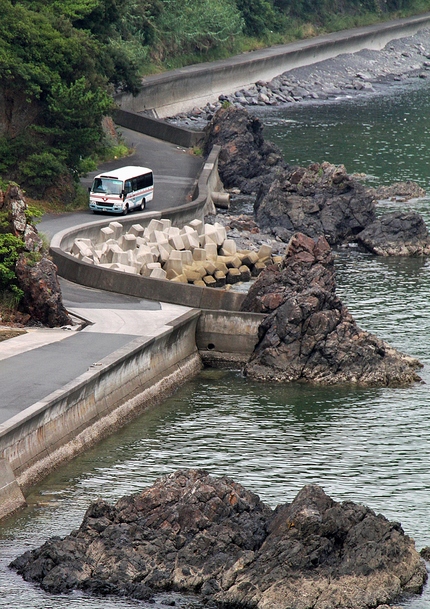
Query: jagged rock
point(42, 293)
point(320, 200)
point(193, 532)
point(246, 160)
point(397, 234)
point(308, 334)
point(36, 274)
point(400, 190)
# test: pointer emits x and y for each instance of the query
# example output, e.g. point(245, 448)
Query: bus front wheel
point(142, 205)
point(125, 210)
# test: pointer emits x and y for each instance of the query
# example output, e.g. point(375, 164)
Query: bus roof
point(124, 173)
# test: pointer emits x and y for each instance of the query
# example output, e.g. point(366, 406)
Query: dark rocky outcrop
point(320, 200)
point(401, 233)
point(36, 273)
point(42, 298)
point(193, 532)
point(246, 160)
point(308, 334)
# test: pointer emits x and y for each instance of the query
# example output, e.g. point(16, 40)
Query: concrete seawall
point(180, 90)
point(97, 277)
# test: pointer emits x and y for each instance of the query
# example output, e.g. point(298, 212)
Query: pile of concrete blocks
point(199, 254)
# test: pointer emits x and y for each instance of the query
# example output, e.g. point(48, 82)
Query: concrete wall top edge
point(397, 25)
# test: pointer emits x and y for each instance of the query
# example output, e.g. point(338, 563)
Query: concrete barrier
point(114, 391)
point(98, 277)
point(226, 338)
point(158, 128)
point(89, 408)
point(181, 90)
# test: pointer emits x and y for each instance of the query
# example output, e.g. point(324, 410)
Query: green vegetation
point(61, 61)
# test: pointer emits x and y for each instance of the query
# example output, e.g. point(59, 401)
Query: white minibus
point(121, 190)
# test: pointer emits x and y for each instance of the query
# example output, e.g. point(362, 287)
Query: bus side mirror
point(123, 194)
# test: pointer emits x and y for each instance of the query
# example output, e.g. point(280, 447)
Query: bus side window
point(127, 187)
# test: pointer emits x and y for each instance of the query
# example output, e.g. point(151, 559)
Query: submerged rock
point(397, 234)
point(308, 334)
point(193, 532)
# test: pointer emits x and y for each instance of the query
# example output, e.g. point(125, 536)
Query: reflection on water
point(367, 445)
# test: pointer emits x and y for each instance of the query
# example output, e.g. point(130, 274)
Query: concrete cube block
point(250, 258)
point(221, 232)
point(171, 274)
point(174, 264)
point(245, 273)
point(137, 230)
point(197, 225)
point(210, 267)
point(211, 251)
point(173, 230)
point(152, 226)
point(199, 283)
point(158, 274)
point(220, 266)
point(257, 268)
point(265, 251)
point(166, 223)
point(117, 229)
point(105, 234)
point(233, 276)
point(187, 257)
point(128, 242)
point(176, 242)
point(220, 279)
point(199, 254)
point(192, 274)
point(228, 247)
point(180, 279)
point(209, 281)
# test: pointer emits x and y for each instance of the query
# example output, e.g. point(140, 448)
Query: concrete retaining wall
point(181, 90)
point(109, 395)
point(225, 338)
point(98, 277)
point(158, 128)
point(102, 399)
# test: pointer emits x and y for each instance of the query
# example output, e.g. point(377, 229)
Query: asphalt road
point(175, 171)
point(34, 365)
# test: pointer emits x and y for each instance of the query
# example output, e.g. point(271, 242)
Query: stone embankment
point(308, 334)
point(193, 532)
point(198, 253)
point(347, 75)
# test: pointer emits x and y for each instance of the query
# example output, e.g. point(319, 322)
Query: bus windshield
point(107, 186)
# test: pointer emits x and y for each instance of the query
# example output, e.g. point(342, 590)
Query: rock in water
point(401, 233)
point(193, 532)
point(246, 160)
point(320, 200)
point(308, 334)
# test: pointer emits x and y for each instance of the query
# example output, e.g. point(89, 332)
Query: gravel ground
point(352, 74)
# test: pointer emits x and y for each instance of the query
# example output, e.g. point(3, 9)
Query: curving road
point(53, 357)
point(175, 171)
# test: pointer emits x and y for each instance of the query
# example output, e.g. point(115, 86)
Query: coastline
point(366, 72)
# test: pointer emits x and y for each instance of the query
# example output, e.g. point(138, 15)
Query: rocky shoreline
point(192, 532)
point(400, 62)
